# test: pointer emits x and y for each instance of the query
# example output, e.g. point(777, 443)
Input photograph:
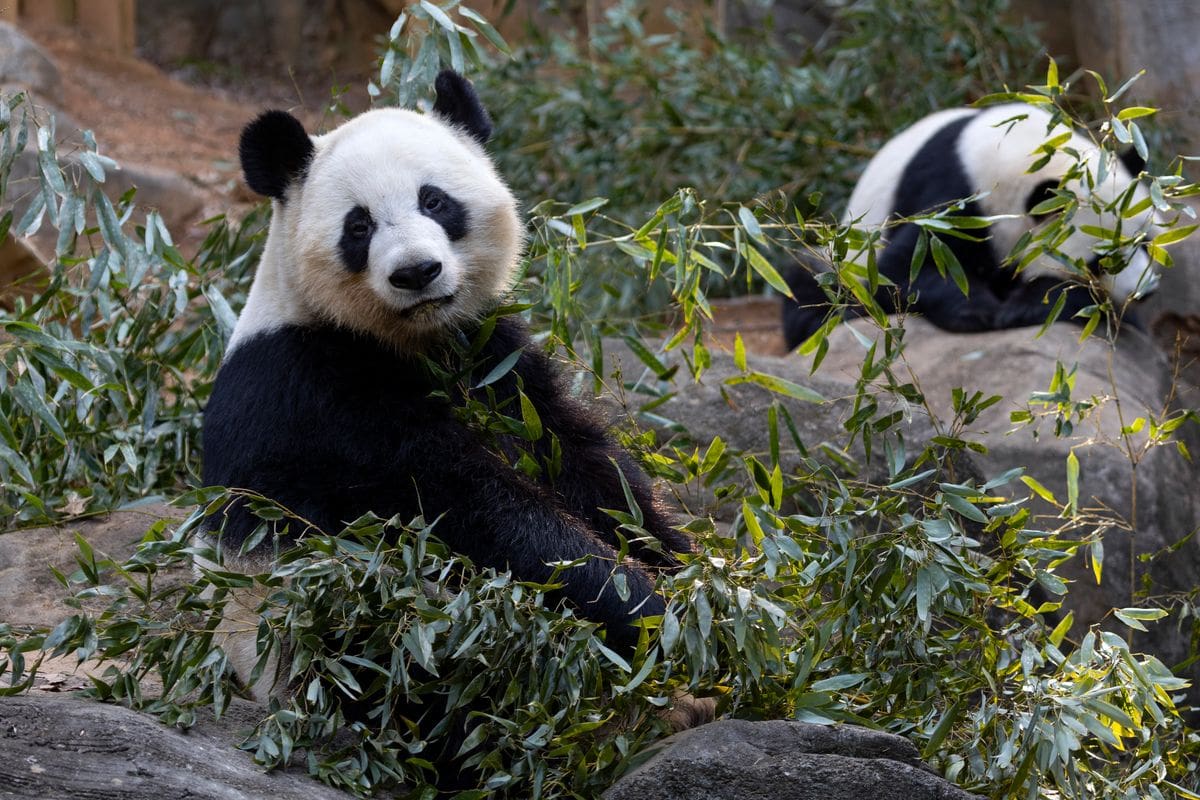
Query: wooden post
point(48, 12)
point(111, 23)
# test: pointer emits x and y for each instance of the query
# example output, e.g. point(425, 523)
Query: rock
point(22, 271)
point(61, 747)
point(1157, 501)
point(24, 64)
point(272, 37)
point(1155, 504)
point(1119, 39)
point(172, 194)
point(29, 594)
point(738, 413)
point(784, 760)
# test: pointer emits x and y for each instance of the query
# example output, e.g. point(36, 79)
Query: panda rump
point(986, 154)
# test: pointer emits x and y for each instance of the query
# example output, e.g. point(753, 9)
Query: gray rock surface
point(1157, 501)
point(784, 760)
point(1156, 504)
point(61, 747)
point(1119, 39)
point(29, 594)
point(25, 65)
point(22, 270)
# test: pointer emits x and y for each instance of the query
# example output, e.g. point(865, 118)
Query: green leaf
point(222, 313)
point(586, 206)
point(439, 16)
point(838, 682)
point(501, 369)
point(1061, 629)
point(1173, 235)
point(778, 385)
point(485, 27)
point(963, 507)
point(1133, 112)
point(1040, 490)
point(750, 223)
point(33, 402)
point(1133, 617)
point(530, 418)
point(947, 262)
point(763, 267)
point(1072, 483)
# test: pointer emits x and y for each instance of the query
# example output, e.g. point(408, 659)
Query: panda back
point(882, 185)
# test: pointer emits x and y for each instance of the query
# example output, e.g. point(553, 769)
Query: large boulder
point(783, 760)
point(1141, 497)
point(24, 65)
point(1121, 39)
point(29, 593)
point(61, 747)
point(23, 272)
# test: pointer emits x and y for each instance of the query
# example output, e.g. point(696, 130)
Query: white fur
point(379, 160)
point(996, 149)
point(874, 195)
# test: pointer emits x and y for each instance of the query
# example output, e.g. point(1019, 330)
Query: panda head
point(395, 224)
point(999, 147)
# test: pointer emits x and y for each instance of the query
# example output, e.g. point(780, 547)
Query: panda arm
point(499, 518)
point(1030, 302)
point(937, 298)
point(942, 303)
point(592, 464)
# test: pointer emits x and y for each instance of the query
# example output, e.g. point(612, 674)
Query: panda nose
point(415, 276)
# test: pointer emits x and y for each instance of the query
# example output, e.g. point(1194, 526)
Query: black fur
point(997, 297)
point(1133, 161)
point(332, 424)
point(355, 243)
point(444, 210)
point(275, 151)
point(458, 104)
point(1041, 193)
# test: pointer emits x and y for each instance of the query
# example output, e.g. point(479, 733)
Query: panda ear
point(1040, 194)
point(1132, 161)
point(458, 105)
point(275, 151)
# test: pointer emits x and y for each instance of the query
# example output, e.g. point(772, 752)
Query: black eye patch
point(444, 210)
point(355, 244)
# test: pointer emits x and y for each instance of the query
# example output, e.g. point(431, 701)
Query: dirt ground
point(142, 115)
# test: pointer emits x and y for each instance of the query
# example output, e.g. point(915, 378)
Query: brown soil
point(140, 114)
point(755, 318)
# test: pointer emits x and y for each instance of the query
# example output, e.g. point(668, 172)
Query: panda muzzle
point(415, 276)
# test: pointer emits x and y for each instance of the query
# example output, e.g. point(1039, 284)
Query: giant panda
point(392, 237)
point(986, 154)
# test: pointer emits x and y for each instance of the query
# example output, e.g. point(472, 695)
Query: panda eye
point(360, 229)
point(432, 202)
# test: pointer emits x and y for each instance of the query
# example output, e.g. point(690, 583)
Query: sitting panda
point(987, 154)
point(391, 238)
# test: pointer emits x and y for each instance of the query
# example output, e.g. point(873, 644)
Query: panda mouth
point(426, 307)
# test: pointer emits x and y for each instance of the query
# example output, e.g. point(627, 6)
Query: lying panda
point(391, 237)
point(960, 153)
